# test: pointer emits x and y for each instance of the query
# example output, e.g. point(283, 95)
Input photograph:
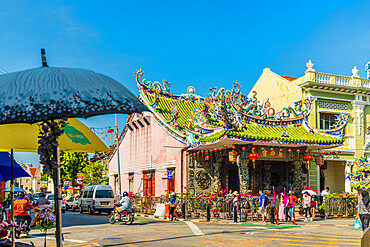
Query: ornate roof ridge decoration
point(228, 114)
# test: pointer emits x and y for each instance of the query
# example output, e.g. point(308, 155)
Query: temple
point(225, 140)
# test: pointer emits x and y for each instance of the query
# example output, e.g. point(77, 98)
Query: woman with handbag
point(363, 209)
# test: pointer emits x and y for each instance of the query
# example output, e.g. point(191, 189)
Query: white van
point(96, 198)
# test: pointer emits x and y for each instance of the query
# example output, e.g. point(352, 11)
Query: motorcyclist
point(42, 200)
point(124, 203)
point(21, 207)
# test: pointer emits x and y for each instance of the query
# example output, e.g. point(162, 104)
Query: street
point(86, 230)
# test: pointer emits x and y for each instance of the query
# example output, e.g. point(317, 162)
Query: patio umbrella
point(310, 191)
point(16, 189)
point(5, 169)
point(47, 93)
point(24, 138)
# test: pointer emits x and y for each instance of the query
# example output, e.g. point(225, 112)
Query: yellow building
point(331, 95)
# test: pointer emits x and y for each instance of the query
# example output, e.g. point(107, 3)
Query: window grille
point(332, 105)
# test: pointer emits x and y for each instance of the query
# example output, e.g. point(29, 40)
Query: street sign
point(169, 175)
point(80, 179)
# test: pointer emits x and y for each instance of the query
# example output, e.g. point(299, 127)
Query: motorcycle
point(125, 216)
point(21, 227)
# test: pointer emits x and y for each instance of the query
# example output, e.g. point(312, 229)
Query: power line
point(6, 72)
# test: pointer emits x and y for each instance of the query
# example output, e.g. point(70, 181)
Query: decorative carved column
point(217, 176)
point(267, 175)
point(297, 175)
point(244, 176)
point(191, 177)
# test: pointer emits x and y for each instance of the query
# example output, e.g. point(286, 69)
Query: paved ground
point(86, 230)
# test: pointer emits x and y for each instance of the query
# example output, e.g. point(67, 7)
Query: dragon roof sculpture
point(228, 114)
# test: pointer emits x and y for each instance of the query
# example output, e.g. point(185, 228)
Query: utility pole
point(118, 163)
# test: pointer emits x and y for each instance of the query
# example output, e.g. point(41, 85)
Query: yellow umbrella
point(76, 138)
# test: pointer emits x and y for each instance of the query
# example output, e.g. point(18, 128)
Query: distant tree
point(72, 163)
point(44, 176)
point(94, 173)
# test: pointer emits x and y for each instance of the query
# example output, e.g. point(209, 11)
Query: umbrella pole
point(12, 192)
point(57, 200)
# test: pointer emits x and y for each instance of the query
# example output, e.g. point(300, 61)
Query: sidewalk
point(299, 220)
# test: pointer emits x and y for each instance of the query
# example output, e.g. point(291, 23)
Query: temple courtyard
point(94, 230)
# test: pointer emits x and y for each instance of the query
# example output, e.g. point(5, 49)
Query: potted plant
point(44, 219)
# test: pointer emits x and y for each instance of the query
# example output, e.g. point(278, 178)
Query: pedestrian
point(292, 200)
point(172, 206)
point(262, 205)
point(313, 206)
point(286, 207)
point(325, 192)
point(235, 205)
point(307, 206)
point(363, 211)
point(281, 208)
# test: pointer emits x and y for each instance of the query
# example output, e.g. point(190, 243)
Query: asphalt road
point(86, 230)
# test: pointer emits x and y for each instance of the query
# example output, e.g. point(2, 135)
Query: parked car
point(64, 206)
point(72, 203)
point(35, 198)
point(96, 198)
point(50, 198)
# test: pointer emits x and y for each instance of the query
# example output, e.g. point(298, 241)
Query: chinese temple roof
point(228, 115)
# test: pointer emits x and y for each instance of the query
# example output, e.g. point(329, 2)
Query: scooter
point(21, 227)
point(125, 216)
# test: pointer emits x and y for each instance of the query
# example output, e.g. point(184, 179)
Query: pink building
point(147, 155)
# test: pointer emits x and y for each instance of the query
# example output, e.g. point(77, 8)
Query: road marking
point(68, 240)
point(342, 225)
point(194, 228)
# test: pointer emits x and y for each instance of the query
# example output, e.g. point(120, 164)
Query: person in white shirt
point(325, 192)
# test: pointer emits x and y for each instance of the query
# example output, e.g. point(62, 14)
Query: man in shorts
point(262, 205)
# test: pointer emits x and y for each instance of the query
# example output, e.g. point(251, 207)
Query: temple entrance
point(233, 178)
point(269, 174)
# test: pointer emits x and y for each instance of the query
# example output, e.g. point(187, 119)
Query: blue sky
point(199, 43)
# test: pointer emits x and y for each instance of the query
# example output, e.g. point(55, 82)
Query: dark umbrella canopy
point(32, 95)
point(5, 162)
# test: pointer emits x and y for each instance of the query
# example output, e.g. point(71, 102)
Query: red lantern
point(263, 149)
point(202, 151)
point(253, 157)
point(281, 150)
point(290, 152)
point(306, 151)
point(298, 151)
point(206, 152)
point(271, 149)
point(234, 147)
point(323, 153)
point(225, 146)
point(220, 149)
point(253, 149)
point(308, 158)
point(315, 152)
point(339, 151)
point(110, 130)
point(198, 153)
point(243, 149)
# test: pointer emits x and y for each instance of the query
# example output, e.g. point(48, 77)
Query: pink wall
point(145, 148)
